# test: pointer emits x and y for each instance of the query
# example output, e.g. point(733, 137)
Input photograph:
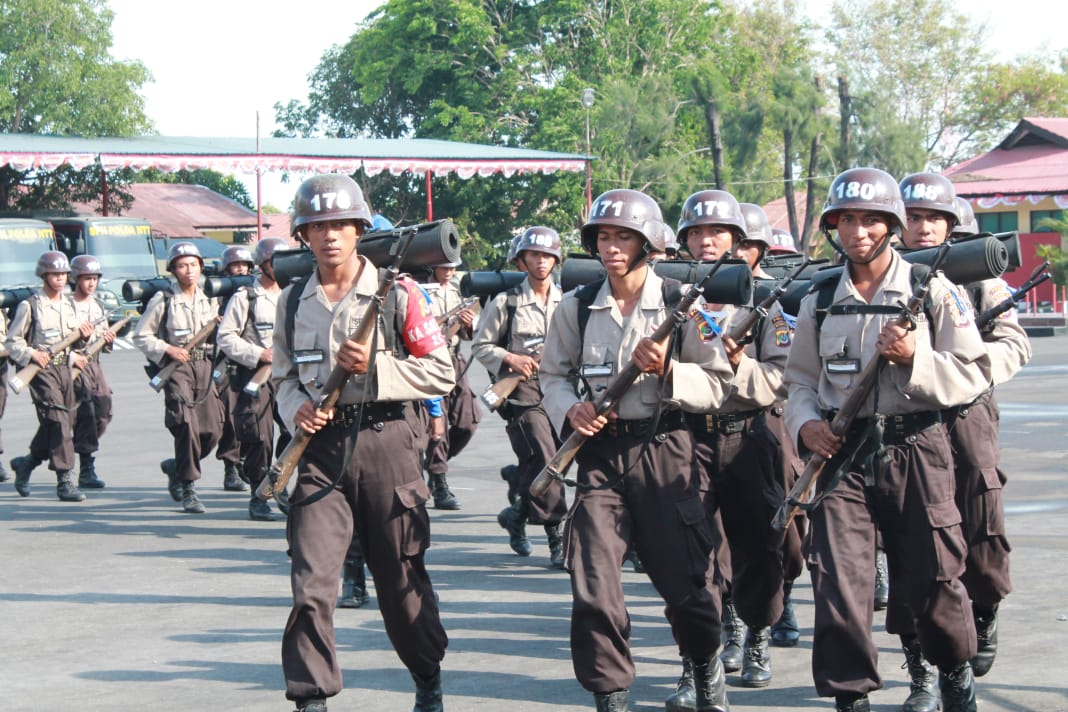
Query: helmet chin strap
point(845, 256)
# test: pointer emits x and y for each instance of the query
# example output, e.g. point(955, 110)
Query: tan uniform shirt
point(758, 383)
point(92, 310)
point(183, 319)
point(52, 321)
point(444, 297)
point(944, 374)
point(700, 380)
point(529, 326)
point(1007, 346)
point(243, 335)
point(300, 370)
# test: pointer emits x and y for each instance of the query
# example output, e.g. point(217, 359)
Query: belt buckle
point(732, 426)
point(710, 423)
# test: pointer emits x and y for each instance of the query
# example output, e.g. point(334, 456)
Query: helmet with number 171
point(622, 207)
point(539, 239)
point(868, 189)
point(931, 191)
point(329, 197)
point(52, 262)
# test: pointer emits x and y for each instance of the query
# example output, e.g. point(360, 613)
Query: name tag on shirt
point(596, 370)
point(50, 333)
point(533, 343)
point(843, 365)
point(308, 356)
point(264, 325)
point(178, 333)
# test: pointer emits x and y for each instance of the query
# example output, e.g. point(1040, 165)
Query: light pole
point(587, 102)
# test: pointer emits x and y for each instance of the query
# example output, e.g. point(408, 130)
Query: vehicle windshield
point(123, 256)
point(18, 260)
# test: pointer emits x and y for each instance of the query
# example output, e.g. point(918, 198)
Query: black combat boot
point(169, 467)
point(923, 690)
point(428, 693)
point(23, 466)
point(443, 496)
point(618, 701)
point(510, 474)
point(4, 474)
point(958, 689)
point(685, 697)
point(353, 585)
point(986, 630)
point(852, 703)
point(756, 663)
point(556, 545)
point(785, 632)
point(66, 490)
point(233, 480)
point(317, 704)
point(882, 581)
point(733, 637)
point(514, 520)
point(259, 510)
point(711, 684)
point(87, 478)
point(190, 502)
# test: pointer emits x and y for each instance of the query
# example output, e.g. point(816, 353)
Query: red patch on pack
point(421, 331)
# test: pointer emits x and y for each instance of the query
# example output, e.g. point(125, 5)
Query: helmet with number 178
point(52, 262)
point(868, 189)
point(622, 207)
point(539, 239)
point(329, 197)
point(931, 191)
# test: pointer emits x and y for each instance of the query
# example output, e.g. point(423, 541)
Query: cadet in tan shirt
point(379, 491)
point(635, 476)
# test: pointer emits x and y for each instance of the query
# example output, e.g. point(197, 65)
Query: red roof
point(776, 210)
point(1033, 159)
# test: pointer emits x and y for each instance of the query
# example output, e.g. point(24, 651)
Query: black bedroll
point(731, 284)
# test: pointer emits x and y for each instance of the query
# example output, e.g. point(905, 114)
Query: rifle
point(802, 489)
point(1037, 277)
point(555, 469)
point(98, 345)
point(160, 379)
point(450, 321)
point(28, 372)
point(258, 379)
point(761, 310)
point(495, 396)
point(282, 470)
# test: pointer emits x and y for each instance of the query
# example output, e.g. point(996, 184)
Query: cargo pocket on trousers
point(948, 539)
point(993, 507)
point(174, 413)
point(699, 539)
point(414, 520)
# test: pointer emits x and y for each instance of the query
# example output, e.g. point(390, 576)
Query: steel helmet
point(627, 208)
point(782, 241)
point(85, 265)
point(234, 254)
point(329, 197)
point(864, 189)
point(511, 248)
point(52, 262)
point(266, 248)
point(757, 227)
point(539, 239)
point(931, 191)
point(182, 249)
point(968, 224)
point(712, 207)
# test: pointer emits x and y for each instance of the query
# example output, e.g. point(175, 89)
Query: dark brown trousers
point(534, 443)
point(254, 418)
point(93, 394)
point(53, 399)
point(228, 388)
point(193, 416)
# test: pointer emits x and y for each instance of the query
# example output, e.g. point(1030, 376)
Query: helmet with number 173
point(712, 207)
point(329, 197)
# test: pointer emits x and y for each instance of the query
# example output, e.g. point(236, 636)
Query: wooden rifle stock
point(866, 382)
point(495, 396)
point(561, 461)
point(761, 310)
point(160, 379)
point(98, 345)
point(282, 470)
point(27, 373)
point(1037, 277)
point(263, 372)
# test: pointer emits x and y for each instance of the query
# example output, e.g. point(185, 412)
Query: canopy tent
point(301, 155)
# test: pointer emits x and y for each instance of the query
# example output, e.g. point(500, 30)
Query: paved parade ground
point(123, 602)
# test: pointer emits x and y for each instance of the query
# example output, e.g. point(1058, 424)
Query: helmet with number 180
point(867, 189)
point(539, 239)
point(622, 207)
point(968, 224)
point(930, 191)
point(712, 207)
point(329, 197)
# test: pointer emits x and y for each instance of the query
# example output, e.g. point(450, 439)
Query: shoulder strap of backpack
point(510, 304)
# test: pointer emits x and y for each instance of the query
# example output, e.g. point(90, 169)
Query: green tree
point(60, 79)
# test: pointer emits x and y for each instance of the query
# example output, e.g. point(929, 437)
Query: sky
point(216, 63)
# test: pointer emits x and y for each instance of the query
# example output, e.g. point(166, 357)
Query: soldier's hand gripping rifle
point(28, 372)
point(450, 321)
point(263, 372)
point(1037, 277)
point(557, 467)
point(495, 396)
point(743, 327)
point(281, 471)
point(160, 379)
point(98, 345)
point(801, 492)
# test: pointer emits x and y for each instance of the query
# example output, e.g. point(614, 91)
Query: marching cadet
point(192, 411)
point(236, 261)
point(892, 471)
point(4, 358)
point(510, 336)
point(741, 456)
point(40, 323)
point(244, 337)
point(635, 474)
point(91, 389)
point(461, 405)
point(932, 214)
point(379, 492)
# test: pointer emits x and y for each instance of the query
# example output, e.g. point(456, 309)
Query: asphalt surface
point(123, 602)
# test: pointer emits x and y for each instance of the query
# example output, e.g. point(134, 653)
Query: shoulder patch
point(783, 330)
point(708, 323)
point(999, 294)
point(956, 308)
